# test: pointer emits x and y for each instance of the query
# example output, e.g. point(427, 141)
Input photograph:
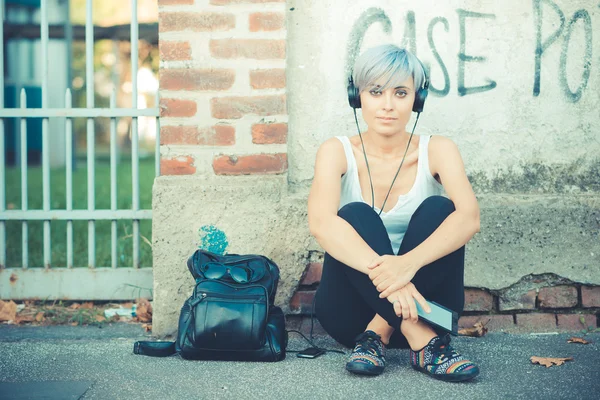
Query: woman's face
point(387, 112)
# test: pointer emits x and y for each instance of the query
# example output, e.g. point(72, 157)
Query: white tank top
point(397, 218)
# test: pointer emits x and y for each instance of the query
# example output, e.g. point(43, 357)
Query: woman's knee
point(368, 225)
point(439, 204)
point(434, 210)
point(355, 208)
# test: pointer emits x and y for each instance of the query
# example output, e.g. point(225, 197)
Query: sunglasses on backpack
point(216, 270)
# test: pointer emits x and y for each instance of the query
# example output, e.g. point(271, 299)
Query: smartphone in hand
point(440, 316)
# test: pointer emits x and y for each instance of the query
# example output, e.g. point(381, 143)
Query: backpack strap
point(154, 349)
point(163, 349)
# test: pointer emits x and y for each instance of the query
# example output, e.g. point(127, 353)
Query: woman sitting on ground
point(388, 247)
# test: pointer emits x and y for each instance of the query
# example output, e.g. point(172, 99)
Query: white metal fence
point(28, 281)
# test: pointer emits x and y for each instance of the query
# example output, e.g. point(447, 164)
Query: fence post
point(2, 172)
point(91, 137)
point(69, 177)
point(45, 135)
point(24, 183)
point(135, 192)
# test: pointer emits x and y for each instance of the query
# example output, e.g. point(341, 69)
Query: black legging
point(346, 299)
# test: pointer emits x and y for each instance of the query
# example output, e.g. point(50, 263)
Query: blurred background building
point(66, 52)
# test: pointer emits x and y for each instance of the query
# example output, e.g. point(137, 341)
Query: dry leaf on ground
point(578, 340)
point(40, 317)
point(100, 318)
point(8, 310)
point(88, 305)
point(74, 323)
point(143, 311)
point(147, 327)
point(75, 306)
point(24, 318)
point(549, 361)
point(477, 330)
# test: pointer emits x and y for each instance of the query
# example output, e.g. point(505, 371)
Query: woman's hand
point(404, 302)
point(390, 273)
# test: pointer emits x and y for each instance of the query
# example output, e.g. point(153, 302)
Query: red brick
point(558, 296)
point(536, 322)
point(590, 296)
point(269, 133)
point(174, 2)
point(195, 22)
point(237, 107)
point(492, 322)
point(218, 135)
point(313, 274)
point(250, 165)
point(196, 79)
point(266, 21)
point(522, 301)
point(258, 49)
point(301, 301)
point(177, 166)
point(174, 51)
point(478, 300)
point(227, 2)
point(267, 78)
point(572, 322)
point(177, 108)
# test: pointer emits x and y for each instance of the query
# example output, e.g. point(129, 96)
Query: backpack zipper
point(232, 297)
point(237, 288)
point(198, 300)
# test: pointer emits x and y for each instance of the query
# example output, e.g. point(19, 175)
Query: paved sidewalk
point(65, 362)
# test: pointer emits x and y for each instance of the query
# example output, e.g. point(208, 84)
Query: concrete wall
point(514, 85)
point(519, 102)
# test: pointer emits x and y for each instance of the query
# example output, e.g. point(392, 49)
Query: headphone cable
point(367, 162)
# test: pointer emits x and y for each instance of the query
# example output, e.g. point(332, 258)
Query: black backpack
point(230, 314)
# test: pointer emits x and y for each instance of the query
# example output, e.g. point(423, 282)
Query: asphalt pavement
point(65, 362)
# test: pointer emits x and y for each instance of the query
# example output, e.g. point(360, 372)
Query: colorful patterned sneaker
point(441, 361)
point(368, 356)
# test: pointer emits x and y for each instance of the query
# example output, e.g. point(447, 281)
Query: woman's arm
point(335, 235)
point(391, 273)
point(463, 223)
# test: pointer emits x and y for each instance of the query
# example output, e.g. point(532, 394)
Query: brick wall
point(547, 309)
point(222, 87)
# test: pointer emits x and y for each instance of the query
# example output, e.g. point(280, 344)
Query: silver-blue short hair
point(388, 63)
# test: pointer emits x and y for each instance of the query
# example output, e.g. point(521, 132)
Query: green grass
point(80, 228)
